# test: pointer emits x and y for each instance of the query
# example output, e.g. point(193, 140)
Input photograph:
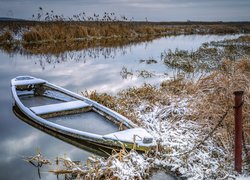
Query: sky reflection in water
point(86, 73)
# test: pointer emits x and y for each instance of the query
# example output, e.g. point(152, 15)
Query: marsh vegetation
point(206, 58)
point(52, 29)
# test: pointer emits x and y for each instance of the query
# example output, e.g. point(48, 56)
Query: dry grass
point(216, 96)
point(179, 85)
point(61, 31)
point(6, 37)
point(97, 167)
point(204, 59)
point(128, 100)
point(244, 38)
point(41, 37)
point(243, 42)
point(213, 95)
point(69, 31)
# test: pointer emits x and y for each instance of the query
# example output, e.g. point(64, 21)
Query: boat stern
point(26, 80)
point(135, 138)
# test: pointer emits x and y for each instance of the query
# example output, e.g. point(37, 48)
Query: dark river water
point(77, 71)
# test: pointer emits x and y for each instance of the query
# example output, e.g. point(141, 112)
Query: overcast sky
point(154, 10)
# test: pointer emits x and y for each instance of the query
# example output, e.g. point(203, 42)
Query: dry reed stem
point(99, 168)
point(38, 159)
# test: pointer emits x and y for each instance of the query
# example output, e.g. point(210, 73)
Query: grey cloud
point(157, 10)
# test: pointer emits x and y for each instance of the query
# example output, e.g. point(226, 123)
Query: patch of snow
point(133, 165)
point(19, 81)
point(130, 135)
point(51, 108)
point(178, 138)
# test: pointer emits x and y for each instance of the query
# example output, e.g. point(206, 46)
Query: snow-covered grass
point(177, 151)
point(132, 165)
point(191, 121)
point(178, 140)
point(243, 41)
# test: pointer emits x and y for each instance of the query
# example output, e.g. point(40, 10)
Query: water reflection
point(100, 150)
point(52, 54)
point(93, 48)
point(93, 67)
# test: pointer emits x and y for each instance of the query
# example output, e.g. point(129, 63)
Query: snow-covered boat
point(47, 104)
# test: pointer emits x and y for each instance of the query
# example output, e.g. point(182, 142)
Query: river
point(101, 69)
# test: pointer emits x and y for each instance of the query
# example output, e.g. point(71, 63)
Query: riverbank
point(30, 32)
point(192, 121)
point(55, 37)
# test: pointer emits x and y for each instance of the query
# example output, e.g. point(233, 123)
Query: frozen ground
point(185, 148)
point(178, 150)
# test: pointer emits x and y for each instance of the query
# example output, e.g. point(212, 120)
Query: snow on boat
point(50, 104)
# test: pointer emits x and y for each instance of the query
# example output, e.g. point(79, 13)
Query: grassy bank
point(61, 31)
point(27, 37)
point(44, 32)
point(55, 37)
point(208, 57)
point(243, 41)
point(193, 121)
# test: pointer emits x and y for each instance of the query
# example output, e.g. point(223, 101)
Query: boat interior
point(63, 109)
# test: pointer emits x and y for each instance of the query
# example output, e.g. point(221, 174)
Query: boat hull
point(37, 120)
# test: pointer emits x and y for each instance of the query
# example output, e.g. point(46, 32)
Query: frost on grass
point(120, 165)
point(195, 132)
point(192, 121)
point(130, 166)
point(178, 139)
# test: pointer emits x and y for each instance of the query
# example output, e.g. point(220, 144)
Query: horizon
point(189, 21)
point(138, 10)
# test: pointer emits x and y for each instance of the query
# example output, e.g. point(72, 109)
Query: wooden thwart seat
point(59, 107)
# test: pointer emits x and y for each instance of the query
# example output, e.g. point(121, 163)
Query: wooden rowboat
point(50, 106)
